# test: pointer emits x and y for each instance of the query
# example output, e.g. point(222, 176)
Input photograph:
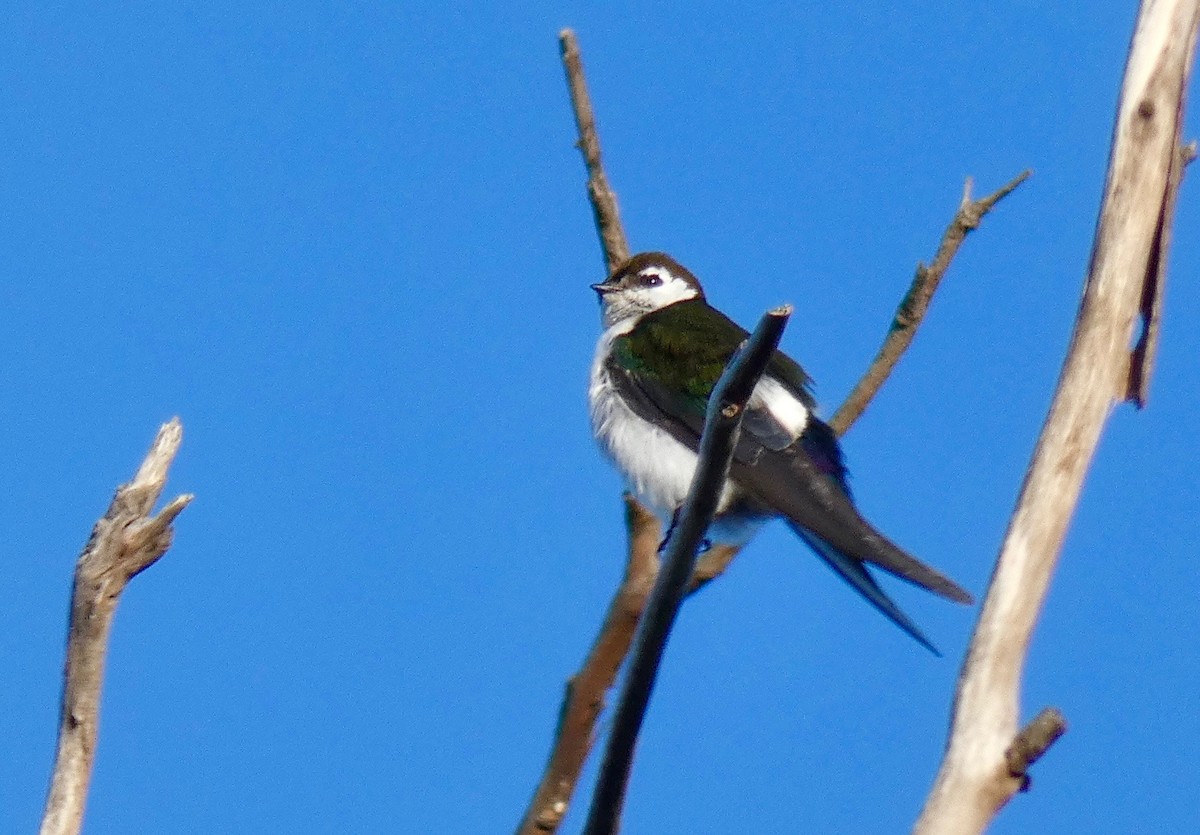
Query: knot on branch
point(1032, 742)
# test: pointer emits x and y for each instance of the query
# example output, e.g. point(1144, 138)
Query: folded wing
point(803, 480)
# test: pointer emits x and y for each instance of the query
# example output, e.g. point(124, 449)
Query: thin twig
point(711, 565)
point(125, 542)
point(975, 779)
point(726, 406)
point(584, 696)
point(603, 198)
point(915, 303)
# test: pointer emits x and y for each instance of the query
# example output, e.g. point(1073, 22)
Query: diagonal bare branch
point(976, 778)
point(585, 693)
point(915, 304)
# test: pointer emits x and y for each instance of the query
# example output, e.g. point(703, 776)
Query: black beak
point(601, 289)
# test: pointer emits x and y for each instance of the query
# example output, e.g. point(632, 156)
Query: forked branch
point(126, 541)
point(915, 304)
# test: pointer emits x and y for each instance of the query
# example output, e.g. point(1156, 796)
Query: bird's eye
point(650, 280)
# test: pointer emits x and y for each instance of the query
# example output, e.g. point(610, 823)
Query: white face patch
point(645, 291)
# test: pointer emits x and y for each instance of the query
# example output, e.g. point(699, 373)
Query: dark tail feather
point(855, 573)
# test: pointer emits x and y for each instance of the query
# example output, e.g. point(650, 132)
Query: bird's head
point(645, 283)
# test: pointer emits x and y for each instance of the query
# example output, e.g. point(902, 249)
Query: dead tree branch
point(583, 700)
point(586, 691)
point(915, 304)
point(726, 407)
point(976, 778)
point(125, 541)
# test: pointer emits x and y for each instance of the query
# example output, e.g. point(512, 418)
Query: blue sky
point(348, 245)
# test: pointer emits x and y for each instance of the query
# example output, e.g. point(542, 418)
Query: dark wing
point(804, 482)
point(683, 348)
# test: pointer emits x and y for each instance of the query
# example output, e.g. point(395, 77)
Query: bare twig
point(975, 779)
point(726, 406)
point(915, 303)
point(125, 542)
point(711, 565)
point(585, 694)
point(603, 198)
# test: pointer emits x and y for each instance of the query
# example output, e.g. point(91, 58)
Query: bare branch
point(711, 565)
point(125, 542)
point(583, 700)
point(585, 693)
point(975, 780)
point(726, 406)
point(603, 198)
point(915, 303)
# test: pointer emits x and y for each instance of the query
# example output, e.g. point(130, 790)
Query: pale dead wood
point(1146, 350)
point(723, 420)
point(915, 304)
point(124, 542)
point(975, 779)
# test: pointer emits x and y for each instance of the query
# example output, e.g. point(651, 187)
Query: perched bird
point(662, 351)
